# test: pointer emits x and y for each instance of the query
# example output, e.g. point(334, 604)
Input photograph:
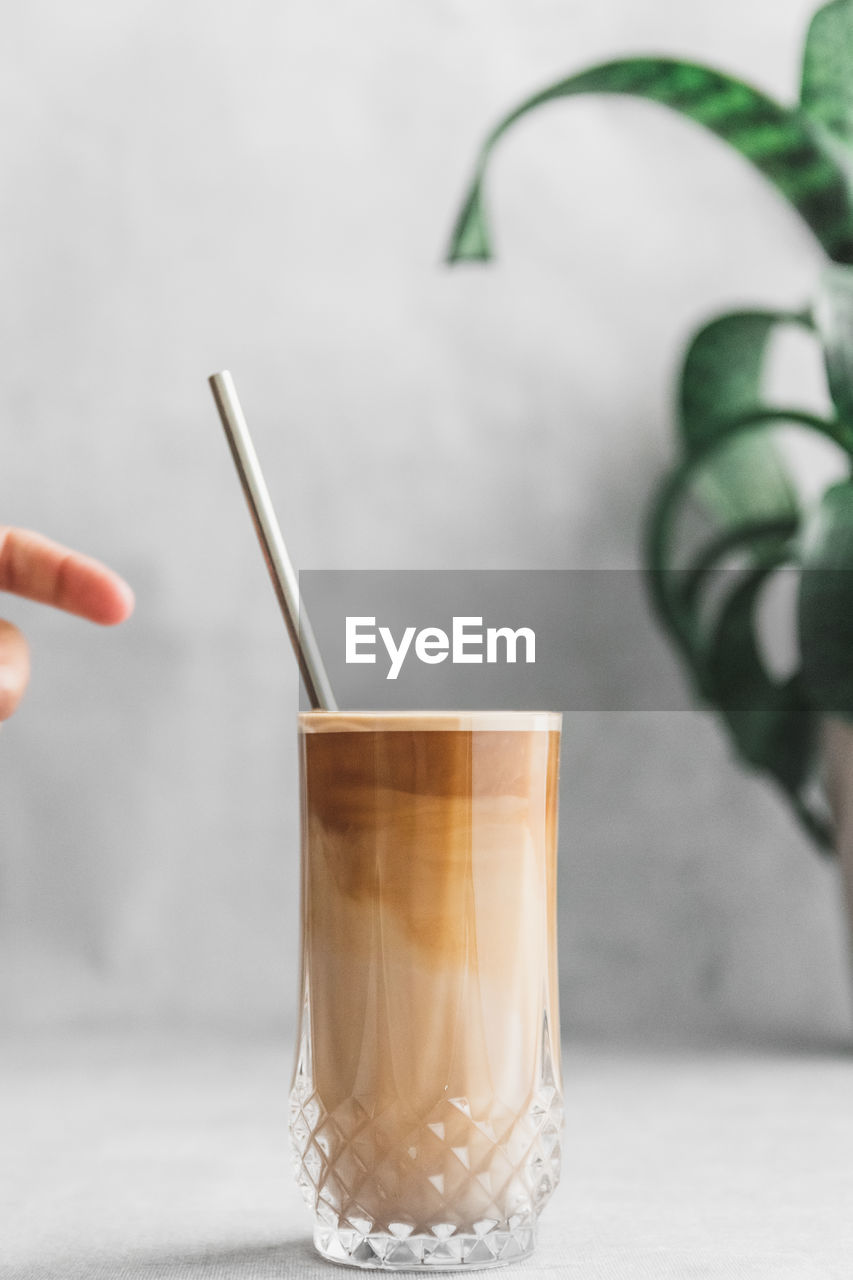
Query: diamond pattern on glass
point(458, 1187)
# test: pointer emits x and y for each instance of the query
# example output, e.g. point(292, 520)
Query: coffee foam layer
point(429, 721)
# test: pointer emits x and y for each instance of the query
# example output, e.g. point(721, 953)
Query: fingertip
point(123, 604)
point(12, 686)
point(102, 596)
point(14, 667)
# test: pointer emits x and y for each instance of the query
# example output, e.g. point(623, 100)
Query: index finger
point(34, 566)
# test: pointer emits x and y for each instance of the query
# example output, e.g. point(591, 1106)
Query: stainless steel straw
point(272, 544)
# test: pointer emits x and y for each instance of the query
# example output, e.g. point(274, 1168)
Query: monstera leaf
point(827, 93)
point(672, 594)
point(772, 723)
point(723, 372)
point(826, 603)
point(778, 141)
point(834, 318)
point(721, 381)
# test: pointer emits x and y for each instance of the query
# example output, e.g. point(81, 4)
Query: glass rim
point(430, 721)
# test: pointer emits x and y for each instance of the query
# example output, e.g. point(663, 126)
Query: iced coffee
point(426, 1102)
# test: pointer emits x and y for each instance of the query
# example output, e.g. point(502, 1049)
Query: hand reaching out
point(33, 566)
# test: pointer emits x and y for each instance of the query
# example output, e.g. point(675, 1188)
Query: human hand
point(35, 567)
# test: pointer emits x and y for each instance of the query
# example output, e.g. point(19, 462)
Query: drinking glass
point(426, 1102)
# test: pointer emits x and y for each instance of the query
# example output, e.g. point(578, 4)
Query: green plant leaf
point(748, 481)
point(760, 536)
point(834, 319)
point(826, 603)
point(767, 717)
point(666, 579)
point(471, 243)
point(772, 725)
point(722, 380)
point(723, 370)
point(777, 140)
point(660, 541)
point(827, 93)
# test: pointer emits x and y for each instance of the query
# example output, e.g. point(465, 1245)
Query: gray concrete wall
point(270, 187)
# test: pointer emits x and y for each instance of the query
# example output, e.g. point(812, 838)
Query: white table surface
point(133, 1157)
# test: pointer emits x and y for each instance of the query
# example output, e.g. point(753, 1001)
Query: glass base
point(437, 1251)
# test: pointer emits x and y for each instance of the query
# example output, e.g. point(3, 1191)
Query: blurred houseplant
point(729, 457)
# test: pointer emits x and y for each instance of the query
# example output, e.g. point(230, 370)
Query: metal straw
point(272, 544)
